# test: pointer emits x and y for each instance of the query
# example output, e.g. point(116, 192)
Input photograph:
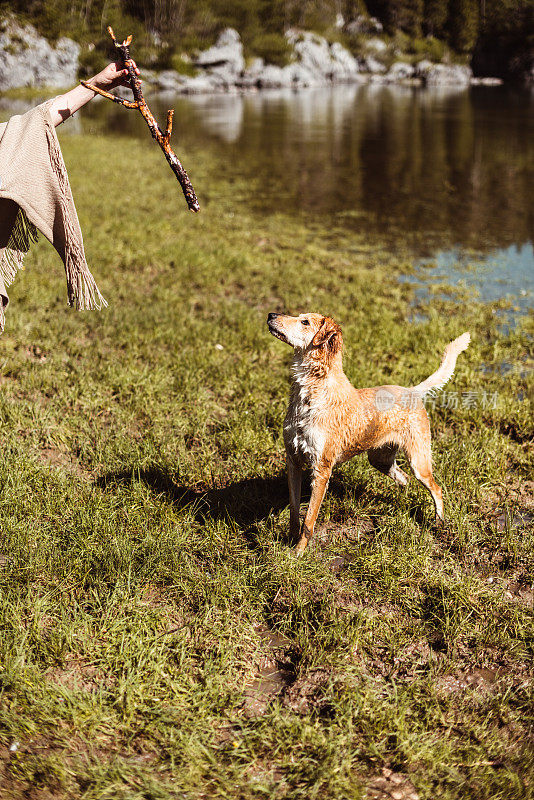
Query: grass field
point(158, 637)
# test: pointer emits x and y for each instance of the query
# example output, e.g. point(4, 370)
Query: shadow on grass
point(246, 502)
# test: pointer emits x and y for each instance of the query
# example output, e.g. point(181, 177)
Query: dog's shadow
point(246, 503)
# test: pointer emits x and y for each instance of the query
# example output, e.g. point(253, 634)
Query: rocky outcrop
point(265, 76)
point(316, 63)
point(372, 66)
point(323, 61)
point(489, 81)
point(376, 45)
point(224, 62)
point(344, 67)
point(444, 74)
point(400, 71)
point(27, 59)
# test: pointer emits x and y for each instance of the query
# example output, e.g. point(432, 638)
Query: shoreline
point(28, 62)
point(30, 94)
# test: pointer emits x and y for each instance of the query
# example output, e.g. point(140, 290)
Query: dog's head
point(313, 333)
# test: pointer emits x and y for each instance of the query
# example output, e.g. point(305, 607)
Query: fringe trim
point(82, 291)
point(23, 234)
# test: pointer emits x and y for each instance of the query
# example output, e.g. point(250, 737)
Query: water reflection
point(456, 164)
point(436, 168)
point(221, 116)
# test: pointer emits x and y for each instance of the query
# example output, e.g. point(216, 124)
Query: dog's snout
point(271, 316)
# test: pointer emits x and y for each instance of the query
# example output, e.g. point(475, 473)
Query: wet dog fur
point(329, 421)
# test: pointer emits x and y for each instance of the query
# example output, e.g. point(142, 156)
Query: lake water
point(447, 172)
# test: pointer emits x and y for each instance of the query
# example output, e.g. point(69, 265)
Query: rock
point(376, 44)
point(201, 84)
point(149, 76)
point(299, 76)
point(400, 71)
point(447, 75)
point(254, 69)
point(169, 80)
point(225, 58)
point(253, 73)
point(121, 91)
point(421, 69)
point(322, 63)
point(312, 51)
point(371, 65)
point(363, 24)
point(344, 65)
point(382, 79)
point(273, 77)
point(486, 82)
point(265, 76)
point(27, 59)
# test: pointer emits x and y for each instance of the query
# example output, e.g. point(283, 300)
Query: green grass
point(144, 563)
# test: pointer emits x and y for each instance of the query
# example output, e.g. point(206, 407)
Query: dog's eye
point(304, 322)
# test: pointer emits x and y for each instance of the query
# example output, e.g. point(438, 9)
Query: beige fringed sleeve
point(35, 195)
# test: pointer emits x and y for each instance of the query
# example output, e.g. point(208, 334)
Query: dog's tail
point(439, 378)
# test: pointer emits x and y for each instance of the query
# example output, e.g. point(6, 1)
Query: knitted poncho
point(35, 194)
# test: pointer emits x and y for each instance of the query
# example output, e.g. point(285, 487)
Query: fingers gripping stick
point(162, 138)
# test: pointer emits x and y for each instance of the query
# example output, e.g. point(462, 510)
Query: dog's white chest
point(304, 436)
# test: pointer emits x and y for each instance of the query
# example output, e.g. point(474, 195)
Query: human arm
point(67, 104)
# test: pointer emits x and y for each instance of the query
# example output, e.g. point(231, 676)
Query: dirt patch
point(270, 681)
point(312, 692)
point(511, 502)
point(520, 591)
point(341, 534)
point(5, 562)
point(78, 676)
point(48, 767)
point(273, 675)
point(515, 433)
point(353, 529)
point(517, 588)
point(517, 520)
point(392, 785)
point(482, 679)
point(57, 459)
point(404, 665)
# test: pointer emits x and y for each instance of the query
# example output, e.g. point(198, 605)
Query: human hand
point(111, 76)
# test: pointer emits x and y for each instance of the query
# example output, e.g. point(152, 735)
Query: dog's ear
point(329, 333)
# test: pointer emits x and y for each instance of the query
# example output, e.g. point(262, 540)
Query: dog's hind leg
point(294, 479)
point(420, 458)
point(383, 459)
point(319, 485)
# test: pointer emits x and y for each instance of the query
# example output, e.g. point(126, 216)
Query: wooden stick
point(109, 96)
point(163, 139)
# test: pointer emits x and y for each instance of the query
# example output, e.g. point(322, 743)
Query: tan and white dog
point(329, 421)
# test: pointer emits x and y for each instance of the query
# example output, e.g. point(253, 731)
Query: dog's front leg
point(294, 479)
point(320, 482)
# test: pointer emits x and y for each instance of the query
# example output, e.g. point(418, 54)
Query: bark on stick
point(139, 103)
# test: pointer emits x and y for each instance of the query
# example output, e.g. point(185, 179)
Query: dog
point(329, 421)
